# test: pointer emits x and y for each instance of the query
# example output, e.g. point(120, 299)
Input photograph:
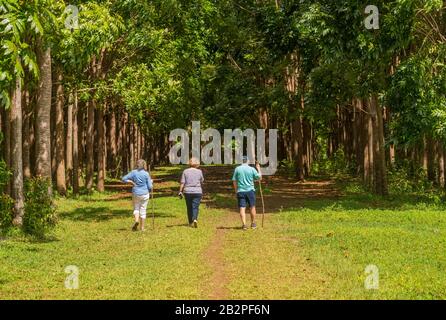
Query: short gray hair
point(141, 164)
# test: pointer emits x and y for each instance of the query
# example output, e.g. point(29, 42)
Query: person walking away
point(243, 183)
point(191, 186)
point(142, 186)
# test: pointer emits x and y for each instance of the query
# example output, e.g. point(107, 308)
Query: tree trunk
point(381, 187)
point(90, 145)
point(430, 156)
point(441, 173)
point(81, 109)
point(69, 141)
point(7, 143)
point(16, 154)
point(101, 151)
point(90, 138)
point(112, 154)
point(60, 137)
point(43, 115)
point(368, 149)
point(27, 116)
point(76, 140)
point(297, 140)
point(124, 139)
point(132, 144)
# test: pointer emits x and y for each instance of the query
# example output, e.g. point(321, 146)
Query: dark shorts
point(246, 199)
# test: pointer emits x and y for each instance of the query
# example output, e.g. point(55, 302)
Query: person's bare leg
point(142, 221)
point(243, 215)
point(135, 225)
point(253, 214)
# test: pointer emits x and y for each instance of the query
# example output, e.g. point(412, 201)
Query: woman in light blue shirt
point(142, 186)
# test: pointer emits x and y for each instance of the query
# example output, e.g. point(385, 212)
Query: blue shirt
point(245, 176)
point(142, 181)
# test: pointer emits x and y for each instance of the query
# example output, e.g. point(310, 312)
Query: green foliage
point(40, 212)
point(406, 177)
point(6, 216)
point(6, 203)
point(337, 164)
point(5, 175)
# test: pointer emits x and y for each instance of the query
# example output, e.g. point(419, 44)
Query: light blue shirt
point(245, 177)
point(142, 181)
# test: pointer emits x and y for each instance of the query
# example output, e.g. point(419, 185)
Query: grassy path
point(316, 244)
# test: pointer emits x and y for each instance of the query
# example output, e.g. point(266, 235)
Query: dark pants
point(193, 204)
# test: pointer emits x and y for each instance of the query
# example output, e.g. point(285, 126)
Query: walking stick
point(263, 201)
point(153, 204)
point(153, 212)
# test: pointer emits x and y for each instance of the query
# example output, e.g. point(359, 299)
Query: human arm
point(234, 181)
point(182, 184)
point(149, 183)
point(128, 178)
point(258, 173)
point(234, 184)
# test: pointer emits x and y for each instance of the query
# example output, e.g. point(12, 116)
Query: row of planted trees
point(331, 84)
point(83, 99)
point(60, 121)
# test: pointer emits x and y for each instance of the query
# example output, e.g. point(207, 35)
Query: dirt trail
point(216, 288)
point(280, 192)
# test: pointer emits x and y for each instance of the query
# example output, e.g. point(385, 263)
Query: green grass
point(318, 249)
point(405, 237)
point(114, 263)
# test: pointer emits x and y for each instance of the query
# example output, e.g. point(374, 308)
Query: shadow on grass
point(278, 202)
point(181, 225)
point(42, 239)
point(104, 214)
point(229, 228)
point(353, 202)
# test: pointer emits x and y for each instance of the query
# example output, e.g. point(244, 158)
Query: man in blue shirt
point(142, 185)
point(243, 182)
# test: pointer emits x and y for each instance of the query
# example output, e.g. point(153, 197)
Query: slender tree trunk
point(112, 154)
point(69, 141)
point(76, 166)
point(297, 140)
point(132, 144)
point(101, 151)
point(81, 109)
point(7, 144)
point(124, 138)
point(27, 113)
point(378, 146)
point(60, 137)
point(90, 138)
point(441, 164)
point(43, 115)
point(425, 156)
point(369, 159)
point(16, 154)
point(90, 144)
point(430, 155)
